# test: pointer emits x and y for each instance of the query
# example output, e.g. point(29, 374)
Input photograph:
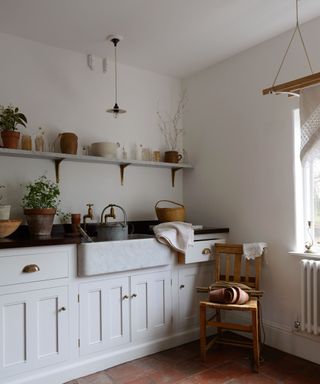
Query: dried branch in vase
point(170, 126)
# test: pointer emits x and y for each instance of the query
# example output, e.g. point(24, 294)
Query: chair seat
point(252, 304)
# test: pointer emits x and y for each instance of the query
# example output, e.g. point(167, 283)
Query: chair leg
point(203, 332)
point(218, 318)
point(255, 340)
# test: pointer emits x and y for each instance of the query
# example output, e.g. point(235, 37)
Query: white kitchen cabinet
point(110, 311)
point(151, 312)
point(104, 314)
point(33, 329)
point(189, 278)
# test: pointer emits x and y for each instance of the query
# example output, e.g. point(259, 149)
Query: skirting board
point(97, 362)
point(290, 341)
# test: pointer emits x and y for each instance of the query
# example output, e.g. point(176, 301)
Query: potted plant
point(4, 209)
point(10, 118)
point(40, 203)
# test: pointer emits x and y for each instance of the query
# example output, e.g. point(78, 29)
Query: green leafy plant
point(65, 217)
point(42, 193)
point(10, 118)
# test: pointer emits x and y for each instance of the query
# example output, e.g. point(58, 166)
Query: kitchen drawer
point(200, 252)
point(51, 265)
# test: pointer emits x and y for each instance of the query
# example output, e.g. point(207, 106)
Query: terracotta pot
point(40, 220)
point(75, 221)
point(69, 143)
point(172, 157)
point(10, 139)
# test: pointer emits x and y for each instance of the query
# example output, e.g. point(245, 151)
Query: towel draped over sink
point(176, 234)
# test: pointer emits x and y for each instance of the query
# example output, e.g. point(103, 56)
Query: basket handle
point(168, 201)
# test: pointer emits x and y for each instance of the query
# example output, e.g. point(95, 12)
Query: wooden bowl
point(8, 226)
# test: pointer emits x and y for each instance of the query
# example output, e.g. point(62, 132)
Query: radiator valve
point(297, 325)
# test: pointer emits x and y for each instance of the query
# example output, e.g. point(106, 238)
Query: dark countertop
point(62, 234)
point(22, 238)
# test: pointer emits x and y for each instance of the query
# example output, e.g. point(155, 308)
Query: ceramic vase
point(69, 143)
point(172, 157)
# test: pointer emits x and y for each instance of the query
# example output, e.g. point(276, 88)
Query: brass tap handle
point(90, 210)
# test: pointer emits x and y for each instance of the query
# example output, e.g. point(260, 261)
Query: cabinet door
point(33, 330)
point(151, 305)
point(189, 279)
point(104, 314)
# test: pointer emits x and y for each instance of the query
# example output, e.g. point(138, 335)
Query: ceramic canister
point(69, 143)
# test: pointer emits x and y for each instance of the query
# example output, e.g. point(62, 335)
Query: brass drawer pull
point(133, 295)
point(31, 268)
point(125, 297)
point(206, 251)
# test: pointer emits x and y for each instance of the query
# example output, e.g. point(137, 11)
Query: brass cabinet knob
point(206, 251)
point(134, 295)
point(31, 268)
point(181, 286)
point(125, 297)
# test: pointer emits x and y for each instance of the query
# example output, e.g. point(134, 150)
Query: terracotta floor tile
point(224, 365)
point(96, 378)
point(209, 376)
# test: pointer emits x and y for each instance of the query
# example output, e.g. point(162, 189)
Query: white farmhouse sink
point(123, 255)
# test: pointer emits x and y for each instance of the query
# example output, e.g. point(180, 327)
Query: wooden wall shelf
point(58, 158)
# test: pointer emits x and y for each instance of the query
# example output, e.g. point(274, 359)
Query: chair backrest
point(231, 266)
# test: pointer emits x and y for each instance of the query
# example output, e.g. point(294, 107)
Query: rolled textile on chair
point(232, 295)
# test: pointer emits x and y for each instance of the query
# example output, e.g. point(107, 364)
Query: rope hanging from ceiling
point(292, 88)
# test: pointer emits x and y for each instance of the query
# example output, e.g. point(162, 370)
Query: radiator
point(310, 296)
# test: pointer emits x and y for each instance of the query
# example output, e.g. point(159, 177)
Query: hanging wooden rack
point(293, 87)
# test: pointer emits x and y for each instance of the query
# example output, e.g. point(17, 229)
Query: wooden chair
point(233, 271)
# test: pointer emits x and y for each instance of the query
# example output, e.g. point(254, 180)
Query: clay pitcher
point(172, 157)
point(69, 143)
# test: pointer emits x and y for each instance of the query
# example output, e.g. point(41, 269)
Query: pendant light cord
point(297, 28)
point(115, 73)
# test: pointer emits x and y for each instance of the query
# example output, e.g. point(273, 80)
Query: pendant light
point(115, 110)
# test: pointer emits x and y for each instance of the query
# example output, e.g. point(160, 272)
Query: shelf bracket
point(173, 175)
point(122, 167)
point(57, 163)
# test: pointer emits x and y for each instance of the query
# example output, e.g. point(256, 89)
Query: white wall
point(56, 90)
point(242, 150)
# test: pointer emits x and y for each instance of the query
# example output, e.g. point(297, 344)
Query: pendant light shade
point(115, 110)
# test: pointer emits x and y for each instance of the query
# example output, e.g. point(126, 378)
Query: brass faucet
point(89, 215)
point(110, 214)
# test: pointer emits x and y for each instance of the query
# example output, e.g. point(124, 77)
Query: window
point(307, 188)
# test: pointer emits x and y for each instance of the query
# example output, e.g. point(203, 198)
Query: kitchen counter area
point(62, 234)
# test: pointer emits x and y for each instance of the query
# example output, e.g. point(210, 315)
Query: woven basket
point(170, 214)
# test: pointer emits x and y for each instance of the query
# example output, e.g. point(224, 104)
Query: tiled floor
point(226, 365)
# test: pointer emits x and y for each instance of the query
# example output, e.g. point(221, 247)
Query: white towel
point(175, 234)
point(253, 250)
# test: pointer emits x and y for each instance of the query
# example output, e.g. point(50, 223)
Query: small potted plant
point(40, 203)
point(10, 118)
point(4, 209)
